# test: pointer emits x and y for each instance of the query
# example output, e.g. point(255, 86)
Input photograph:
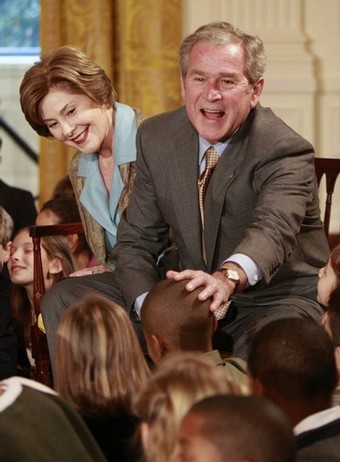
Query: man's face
point(216, 92)
point(193, 446)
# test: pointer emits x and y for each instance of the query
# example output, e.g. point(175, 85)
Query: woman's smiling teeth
point(79, 139)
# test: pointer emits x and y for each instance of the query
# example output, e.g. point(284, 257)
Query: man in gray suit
point(264, 238)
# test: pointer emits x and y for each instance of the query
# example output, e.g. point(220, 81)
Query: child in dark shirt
point(8, 340)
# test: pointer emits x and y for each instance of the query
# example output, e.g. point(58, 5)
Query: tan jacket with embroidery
point(93, 230)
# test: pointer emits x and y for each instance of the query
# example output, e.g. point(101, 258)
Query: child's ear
point(156, 347)
point(55, 266)
point(255, 386)
point(7, 251)
point(144, 433)
point(337, 358)
point(72, 241)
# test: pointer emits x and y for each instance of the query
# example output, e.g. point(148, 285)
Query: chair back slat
point(331, 169)
point(39, 341)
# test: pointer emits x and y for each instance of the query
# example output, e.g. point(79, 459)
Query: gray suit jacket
point(262, 200)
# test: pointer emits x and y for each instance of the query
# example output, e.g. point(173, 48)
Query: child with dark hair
point(57, 263)
point(8, 341)
point(64, 209)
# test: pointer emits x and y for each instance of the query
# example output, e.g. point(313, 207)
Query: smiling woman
point(69, 98)
point(78, 121)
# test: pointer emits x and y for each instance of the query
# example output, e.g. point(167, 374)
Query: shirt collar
point(317, 420)
point(220, 146)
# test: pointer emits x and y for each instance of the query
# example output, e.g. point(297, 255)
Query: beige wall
point(15, 168)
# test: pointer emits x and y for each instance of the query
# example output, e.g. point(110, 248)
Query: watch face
point(233, 274)
point(230, 274)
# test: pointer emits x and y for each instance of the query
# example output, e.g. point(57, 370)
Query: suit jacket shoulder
point(20, 205)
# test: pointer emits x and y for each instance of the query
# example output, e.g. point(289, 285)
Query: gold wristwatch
point(230, 274)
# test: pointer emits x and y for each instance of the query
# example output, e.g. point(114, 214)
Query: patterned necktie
point(211, 158)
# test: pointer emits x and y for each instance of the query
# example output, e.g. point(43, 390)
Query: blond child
point(6, 228)
point(99, 370)
point(178, 382)
point(8, 340)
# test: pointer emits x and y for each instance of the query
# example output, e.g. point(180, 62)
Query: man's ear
point(182, 86)
point(55, 266)
point(257, 90)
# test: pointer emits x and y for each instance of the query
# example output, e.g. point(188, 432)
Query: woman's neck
point(106, 148)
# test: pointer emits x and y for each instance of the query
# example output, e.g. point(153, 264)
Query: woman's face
point(20, 263)
point(328, 281)
point(76, 120)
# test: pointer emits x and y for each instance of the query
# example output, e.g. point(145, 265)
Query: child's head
point(57, 262)
point(329, 277)
point(175, 320)
point(291, 361)
point(179, 381)
point(99, 362)
point(226, 428)
point(6, 228)
point(64, 209)
point(332, 326)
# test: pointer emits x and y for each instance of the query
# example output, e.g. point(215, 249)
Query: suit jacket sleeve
point(142, 235)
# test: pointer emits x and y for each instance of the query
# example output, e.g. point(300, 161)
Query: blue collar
point(94, 195)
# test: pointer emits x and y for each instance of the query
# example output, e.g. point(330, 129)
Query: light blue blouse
point(94, 196)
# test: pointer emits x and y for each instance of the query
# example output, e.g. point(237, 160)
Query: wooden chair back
point(329, 167)
point(39, 340)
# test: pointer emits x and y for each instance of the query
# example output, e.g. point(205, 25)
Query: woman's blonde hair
point(180, 381)
point(99, 362)
point(66, 66)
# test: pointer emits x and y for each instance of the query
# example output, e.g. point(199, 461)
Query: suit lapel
point(183, 162)
point(184, 165)
point(223, 176)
